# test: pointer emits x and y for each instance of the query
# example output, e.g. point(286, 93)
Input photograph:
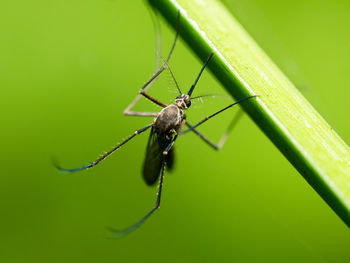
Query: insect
point(164, 131)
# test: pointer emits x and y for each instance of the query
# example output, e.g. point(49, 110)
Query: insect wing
point(154, 157)
point(170, 159)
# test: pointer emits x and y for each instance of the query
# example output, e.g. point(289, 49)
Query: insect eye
point(188, 103)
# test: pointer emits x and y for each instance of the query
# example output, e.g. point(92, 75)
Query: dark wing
point(170, 159)
point(154, 157)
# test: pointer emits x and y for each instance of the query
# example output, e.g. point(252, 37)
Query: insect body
point(165, 129)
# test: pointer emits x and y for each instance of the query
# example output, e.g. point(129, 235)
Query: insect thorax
point(169, 119)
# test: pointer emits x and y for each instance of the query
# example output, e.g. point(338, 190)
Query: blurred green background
point(67, 71)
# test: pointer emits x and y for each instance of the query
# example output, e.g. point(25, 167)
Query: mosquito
point(165, 129)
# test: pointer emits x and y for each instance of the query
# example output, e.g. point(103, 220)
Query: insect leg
point(223, 138)
point(148, 84)
point(125, 231)
point(189, 93)
point(143, 93)
point(167, 149)
point(104, 156)
point(216, 113)
point(140, 114)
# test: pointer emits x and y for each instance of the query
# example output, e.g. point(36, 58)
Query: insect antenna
point(210, 95)
point(173, 77)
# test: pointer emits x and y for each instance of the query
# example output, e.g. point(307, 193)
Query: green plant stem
point(281, 112)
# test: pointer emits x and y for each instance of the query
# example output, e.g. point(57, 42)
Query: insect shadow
point(165, 128)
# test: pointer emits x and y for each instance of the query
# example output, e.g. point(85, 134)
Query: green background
point(67, 71)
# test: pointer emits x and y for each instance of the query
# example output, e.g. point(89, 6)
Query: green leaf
point(281, 111)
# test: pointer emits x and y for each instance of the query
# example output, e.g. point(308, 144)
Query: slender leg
point(216, 113)
point(125, 231)
point(148, 84)
point(167, 149)
point(223, 137)
point(141, 94)
point(105, 155)
point(140, 114)
point(189, 93)
point(147, 96)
